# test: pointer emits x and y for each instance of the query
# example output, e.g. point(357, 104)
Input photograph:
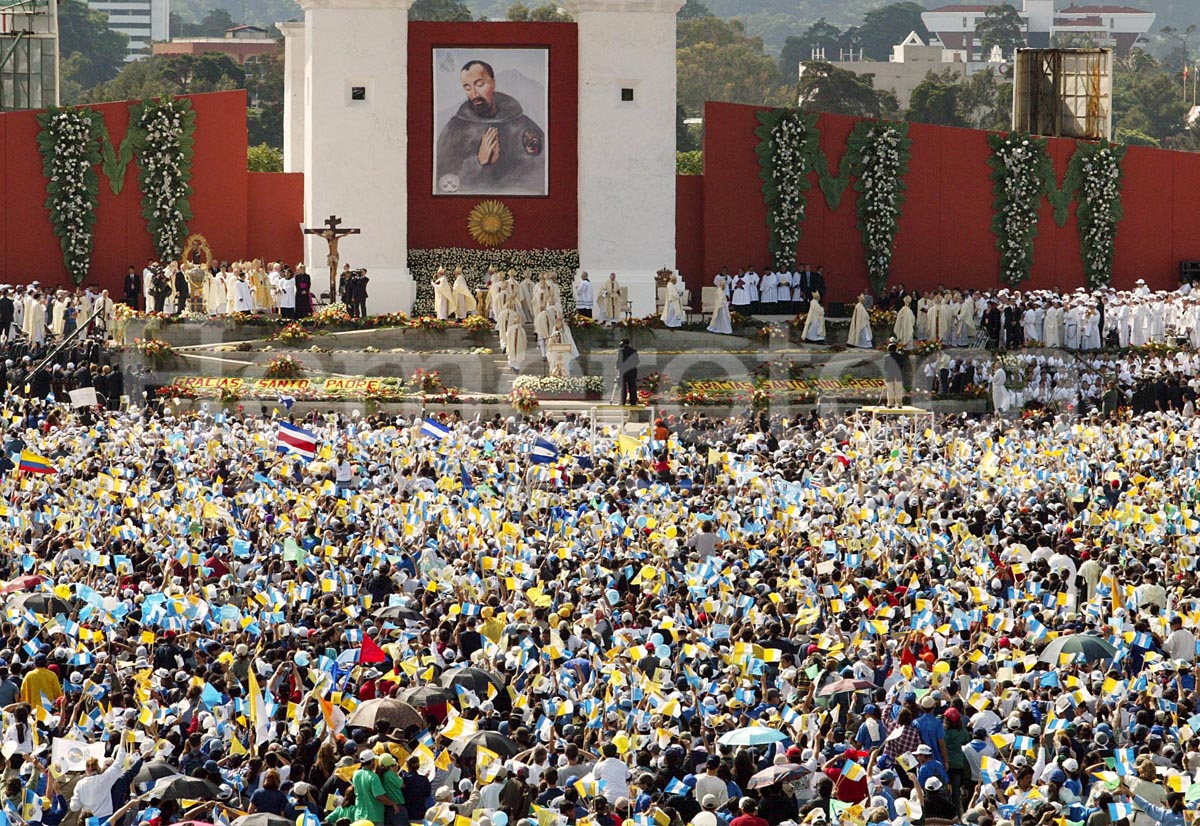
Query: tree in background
point(689, 163)
point(91, 53)
point(263, 158)
point(985, 102)
point(160, 75)
point(884, 27)
point(798, 49)
point(1000, 26)
point(546, 13)
point(936, 101)
point(826, 88)
point(693, 9)
point(264, 98)
point(1132, 137)
point(446, 11)
point(214, 24)
point(1150, 104)
point(715, 60)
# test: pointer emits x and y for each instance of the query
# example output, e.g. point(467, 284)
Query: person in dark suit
point(182, 290)
point(133, 287)
point(6, 312)
point(303, 293)
point(627, 368)
point(992, 319)
point(358, 294)
point(818, 282)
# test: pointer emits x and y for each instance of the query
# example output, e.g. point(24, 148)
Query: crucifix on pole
point(332, 234)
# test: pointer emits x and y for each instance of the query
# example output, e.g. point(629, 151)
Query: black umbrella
point(154, 771)
point(40, 603)
point(423, 696)
point(183, 788)
point(466, 746)
point(398, 713)
point(472, 679)
point(396, 612)
point(1087, 648)
point(261, 819)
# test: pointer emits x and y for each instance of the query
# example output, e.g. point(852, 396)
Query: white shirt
point(1181, 645)
point(615, 774)
point(583, 295)
point(718, 788)
point(94, 792)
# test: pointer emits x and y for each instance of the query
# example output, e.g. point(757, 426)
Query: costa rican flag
point(297, 440)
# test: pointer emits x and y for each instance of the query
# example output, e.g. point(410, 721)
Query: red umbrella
point(22, 583)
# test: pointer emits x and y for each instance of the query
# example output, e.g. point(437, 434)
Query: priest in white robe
point(905, 326)
point(860, 326)
point(814, 322)
point(464, 300)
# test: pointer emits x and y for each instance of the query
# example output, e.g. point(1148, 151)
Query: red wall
point(277, 211)
point(550, 222)
point(222, 201)
point(689, 230)
point(944, 235)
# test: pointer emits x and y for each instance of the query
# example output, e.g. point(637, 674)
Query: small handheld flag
point(297, 440)
point(32, 463)
point(543, 452)
point(434, 429)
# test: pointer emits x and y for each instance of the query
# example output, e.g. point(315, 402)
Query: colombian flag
point(32, 463)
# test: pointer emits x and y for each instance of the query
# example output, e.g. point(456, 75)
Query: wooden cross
point(332, 234)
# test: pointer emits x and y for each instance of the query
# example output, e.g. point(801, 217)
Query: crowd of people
point(746, 621)
point(752, 621)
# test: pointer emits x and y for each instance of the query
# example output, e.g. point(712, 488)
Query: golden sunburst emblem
point(490, 223)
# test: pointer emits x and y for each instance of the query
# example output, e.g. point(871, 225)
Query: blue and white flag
point(436, 429)
point(543, 452)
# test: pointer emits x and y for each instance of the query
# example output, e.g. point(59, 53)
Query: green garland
point(164, 139)
point(787, 151)
point(1021, 168)
point(69, 142)
point(879, 153)
point(114, 161)
point(422, 264)
point(1095, 172)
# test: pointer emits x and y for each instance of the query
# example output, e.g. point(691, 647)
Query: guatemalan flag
point(294, 439)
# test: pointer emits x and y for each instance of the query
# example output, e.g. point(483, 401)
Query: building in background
point(911, 63)
point(143, 21)
point(1119, 28)
point(241, 43)
point(28, 55)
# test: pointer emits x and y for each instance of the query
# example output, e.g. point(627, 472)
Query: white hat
point(924, 750)
point(932, 783)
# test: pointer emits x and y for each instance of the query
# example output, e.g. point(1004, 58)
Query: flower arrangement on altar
point(292, 335)
point(331, 315)
point(155, 351)
point(560, 385)
point(651, 384)
point(426, 381)
point(284, 367)
point(476, 324)
point(523, 400)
